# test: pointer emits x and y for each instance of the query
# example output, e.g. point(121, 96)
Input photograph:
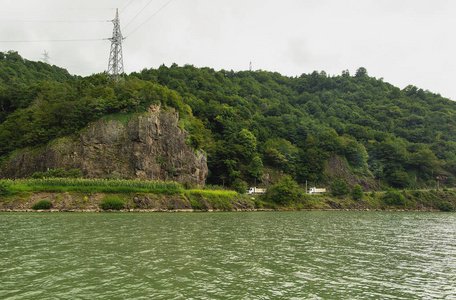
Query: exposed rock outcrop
point(337, 168)
point(150, 146)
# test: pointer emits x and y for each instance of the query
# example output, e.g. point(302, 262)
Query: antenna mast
point(115, 66)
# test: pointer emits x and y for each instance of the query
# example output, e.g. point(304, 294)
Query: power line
point(63, 21)
point(48, 41)
point(149, 18)
point(126, 6)
point(138, 14)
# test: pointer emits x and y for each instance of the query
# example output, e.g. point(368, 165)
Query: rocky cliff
point(150, 146)
point(336, 168)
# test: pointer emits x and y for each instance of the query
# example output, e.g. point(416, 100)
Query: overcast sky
point(403, 41)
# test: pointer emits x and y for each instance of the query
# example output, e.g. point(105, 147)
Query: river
point(234, 255)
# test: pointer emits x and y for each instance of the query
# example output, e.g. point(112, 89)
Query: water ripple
point(277, 255)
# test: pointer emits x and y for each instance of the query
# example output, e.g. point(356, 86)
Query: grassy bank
point(89, 185)
point(432, 200)
point(97, 194)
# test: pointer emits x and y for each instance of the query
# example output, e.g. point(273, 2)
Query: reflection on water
point(262, 255)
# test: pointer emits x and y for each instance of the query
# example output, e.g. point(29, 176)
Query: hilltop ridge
point(256, 125)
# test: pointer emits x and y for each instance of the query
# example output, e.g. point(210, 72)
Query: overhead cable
point(138, 14)
point(149, 18)
point(62, 21)
point(126, 6)
point(47, 41)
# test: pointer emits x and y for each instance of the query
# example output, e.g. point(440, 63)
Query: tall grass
point(95, 185)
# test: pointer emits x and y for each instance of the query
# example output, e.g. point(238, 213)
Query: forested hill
point(256, 124)
point(18, 74)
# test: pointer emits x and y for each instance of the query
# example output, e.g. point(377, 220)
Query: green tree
point(357, 192)
point(255, 168)
point(285, 192)
point(248, 144)
point(399, 179)
point(361, 72)
point(239, 186)
point(339, 187)
point(393, 197)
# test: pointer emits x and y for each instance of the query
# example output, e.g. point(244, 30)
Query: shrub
point(239, 186)
point(42, 204)
point(285, 192)
point(5, 189)
point(399, 179)
point(446, 206)
point(357, 192)
point(112, 203)
point(339, 187)
point(394, 198)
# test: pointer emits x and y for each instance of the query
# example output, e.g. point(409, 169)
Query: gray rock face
point(150, 146)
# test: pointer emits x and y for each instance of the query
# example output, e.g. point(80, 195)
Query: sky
point(402, 41)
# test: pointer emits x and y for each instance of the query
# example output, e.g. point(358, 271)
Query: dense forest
point(250, 123)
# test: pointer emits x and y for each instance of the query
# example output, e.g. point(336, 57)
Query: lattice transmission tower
point(115, 66)
point(46, 58)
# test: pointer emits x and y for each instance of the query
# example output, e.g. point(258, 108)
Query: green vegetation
point(239, 186)
point(58, 173)
point(112, 203)
point(219, 200)
point(284, 193)
point(93, 185)
point(357, 192)
point(42, 204)
point(339, 188)
point(395, 198)
point(446, 206)
point(5, 189)
point(248, 123)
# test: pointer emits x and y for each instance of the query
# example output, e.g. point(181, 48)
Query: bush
point(43, 204)
point(339, 187)
point(446, 206)
point(394, 198)
point(5, 189)
point(357, 192)
point(112, 203)
point(239, 186)
point(399, 179)
point(285, 192)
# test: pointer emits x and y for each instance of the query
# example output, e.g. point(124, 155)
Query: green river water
point(235, 255)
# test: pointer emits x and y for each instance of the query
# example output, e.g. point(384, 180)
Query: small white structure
point(255, 190)
point(314, 190)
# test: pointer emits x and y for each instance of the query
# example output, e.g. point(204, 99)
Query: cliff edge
point(149, 146)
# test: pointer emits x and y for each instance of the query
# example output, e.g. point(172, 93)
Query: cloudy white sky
point(403, 41)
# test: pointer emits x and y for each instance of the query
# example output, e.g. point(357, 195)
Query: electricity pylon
point(46, 57)
point(115, 66)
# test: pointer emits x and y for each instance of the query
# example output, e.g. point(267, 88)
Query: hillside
point(257, 125)
point(18, 74)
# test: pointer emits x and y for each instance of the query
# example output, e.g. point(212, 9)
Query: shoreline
point(210, 201)
point(204, 211)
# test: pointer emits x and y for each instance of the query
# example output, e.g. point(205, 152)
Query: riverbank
point(207, 200)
